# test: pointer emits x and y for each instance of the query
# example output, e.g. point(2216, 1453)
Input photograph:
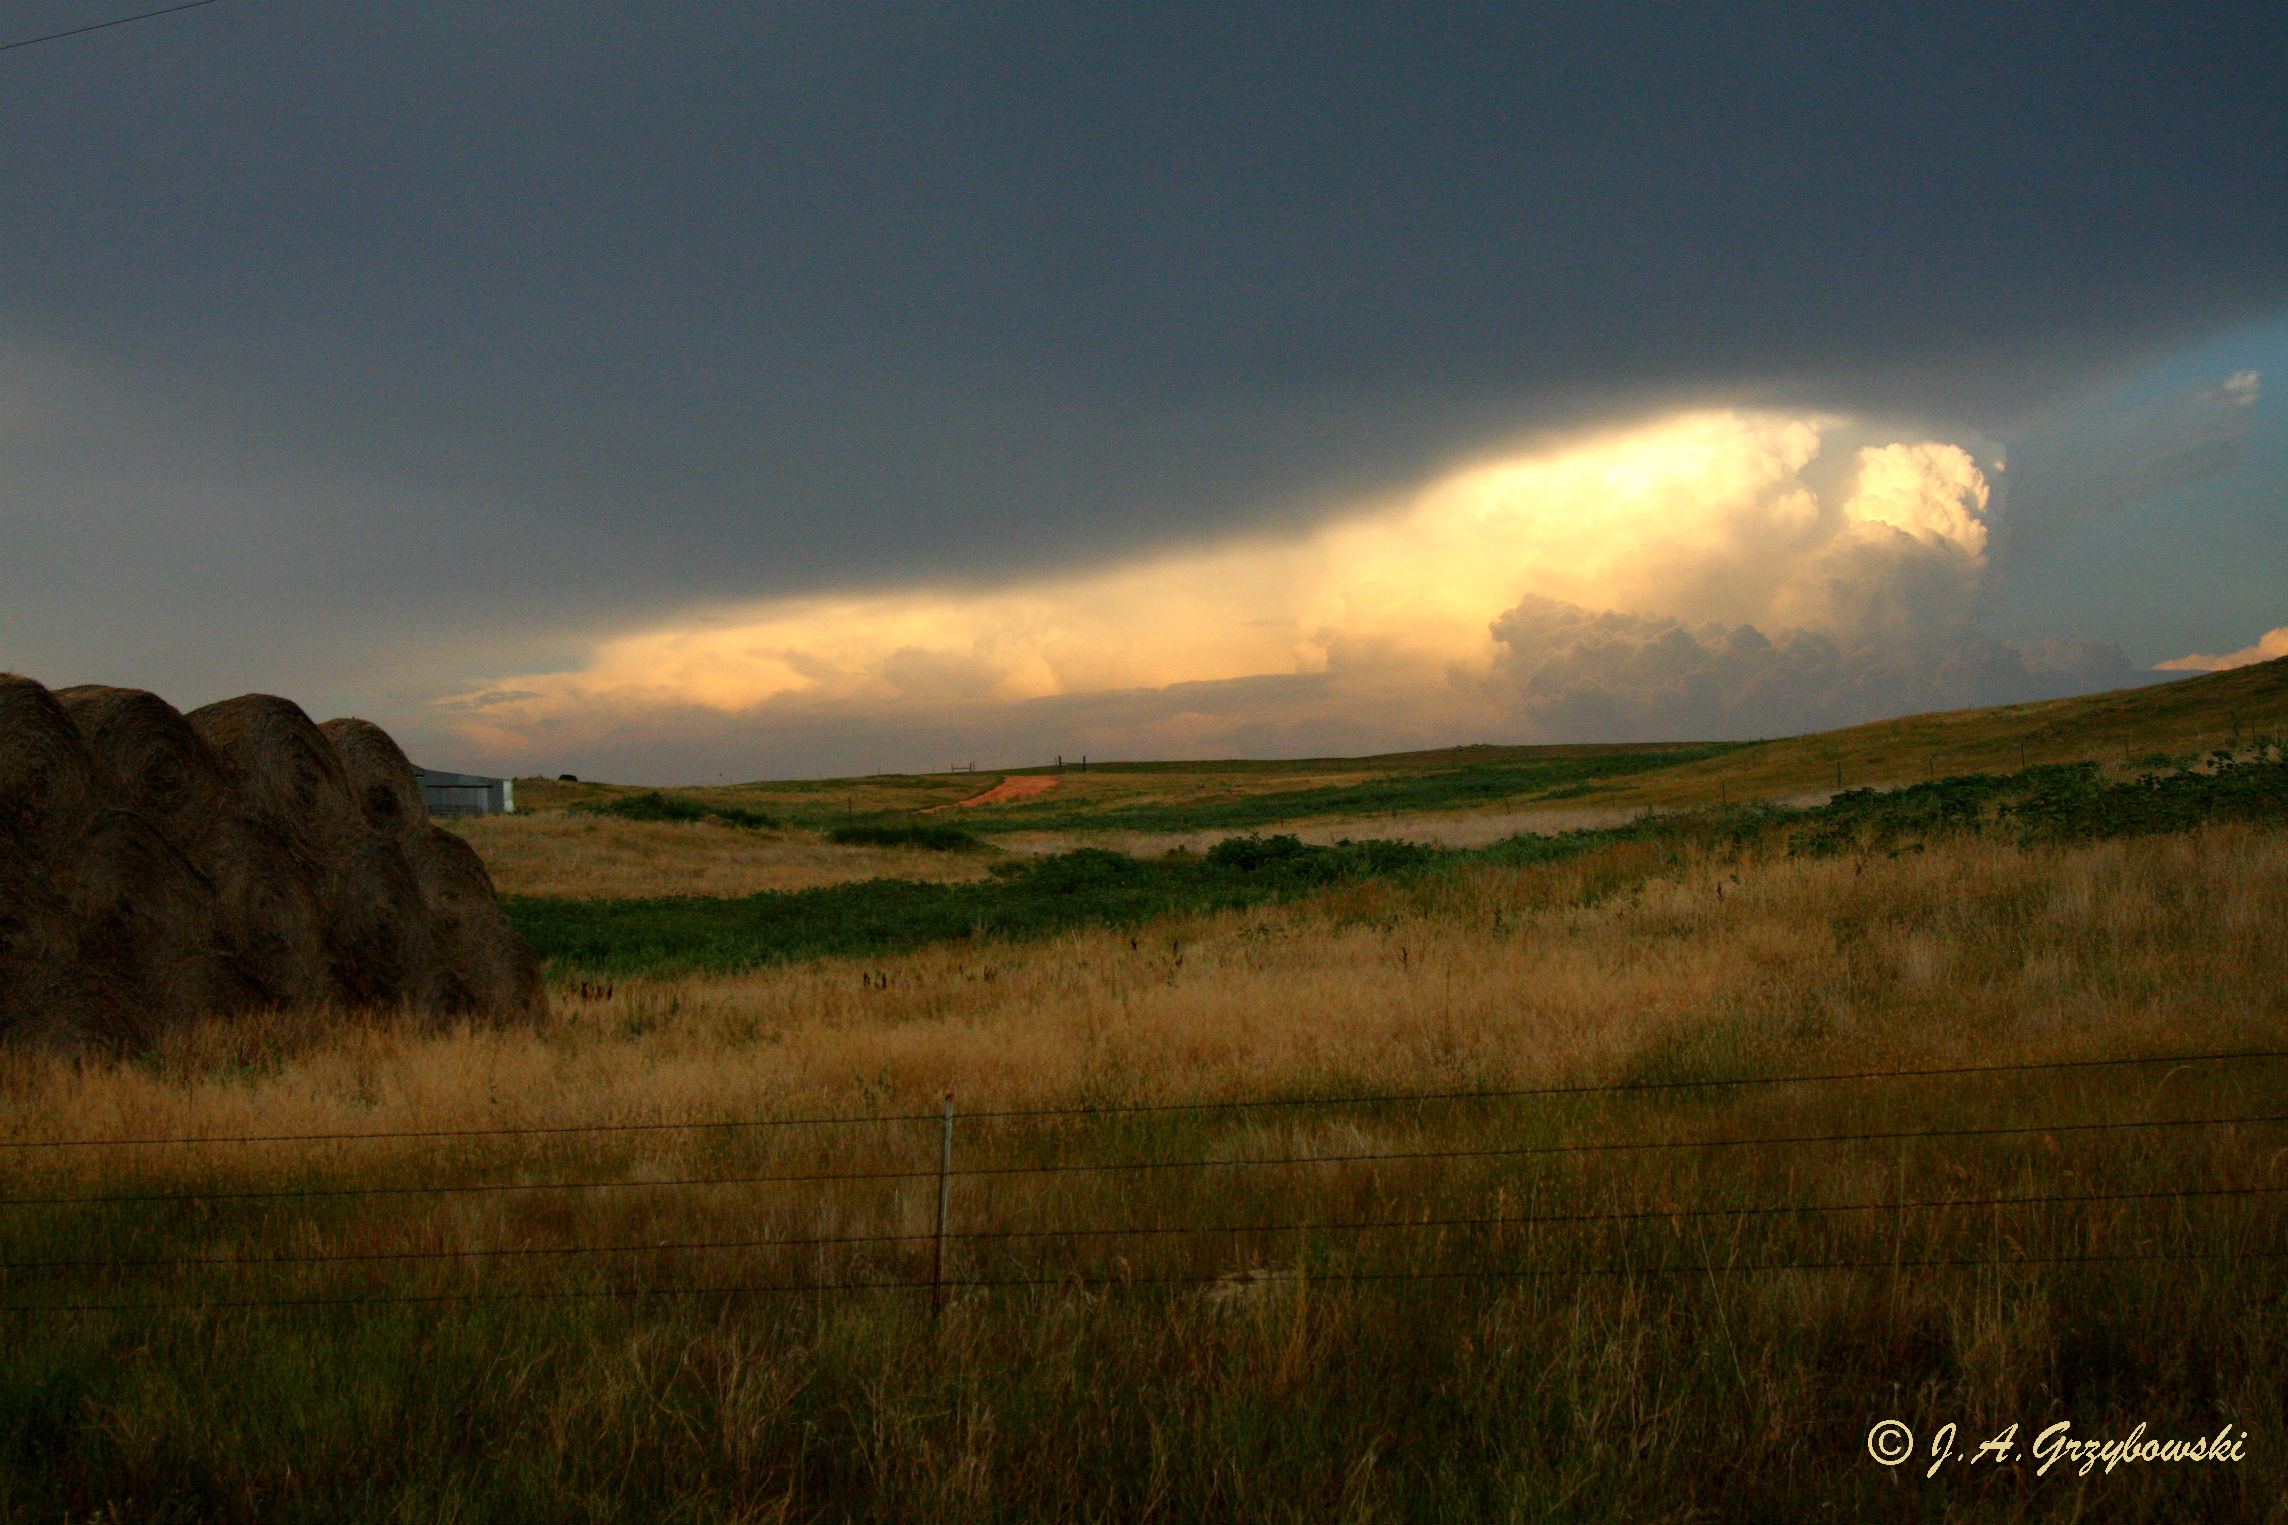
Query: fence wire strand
point(1101, 1231)
point(1509, 1151)
point(1078, 1282)
point(1087, 1280)
point(1394, 1098)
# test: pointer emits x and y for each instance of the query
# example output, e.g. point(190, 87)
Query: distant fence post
point(944, 1201)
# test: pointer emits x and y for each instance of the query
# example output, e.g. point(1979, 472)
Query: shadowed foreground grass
point(1578, 1333)
point(1608, 1400)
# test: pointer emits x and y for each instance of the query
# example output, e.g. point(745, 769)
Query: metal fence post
point(944, 1202)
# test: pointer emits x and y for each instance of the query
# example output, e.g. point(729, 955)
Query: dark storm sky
point(345, 343)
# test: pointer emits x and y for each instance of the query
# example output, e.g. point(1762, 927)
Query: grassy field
point(1017, 898)
point(2121, 731)
point(1169, 797)
point(1589, 1332)
point(563, 855)
point(1290, 1182)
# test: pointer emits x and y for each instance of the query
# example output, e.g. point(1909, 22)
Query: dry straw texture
point(156, 869)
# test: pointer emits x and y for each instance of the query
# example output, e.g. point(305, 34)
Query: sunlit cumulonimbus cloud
point(1688, 569)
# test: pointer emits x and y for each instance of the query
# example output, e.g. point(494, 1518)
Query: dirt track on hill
point(1008, 789)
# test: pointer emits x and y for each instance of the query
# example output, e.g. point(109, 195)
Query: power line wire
point(102, 26)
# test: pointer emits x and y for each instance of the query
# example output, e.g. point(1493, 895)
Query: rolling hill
point(2123, 729)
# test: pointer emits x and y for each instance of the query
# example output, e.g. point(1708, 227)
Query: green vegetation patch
point(942, 839)
point(655, 806)
point(2067, 802)
point(1087, 887)
point(1095, 887)
point(2075, 804)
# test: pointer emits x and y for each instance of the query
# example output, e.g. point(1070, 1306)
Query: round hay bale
point(45, 994)
point(484, 968)
point(381, 780)
point(378, 939)
point(288, 775)
point(158, 867)
point(162, 766)
point(272, 919)
point(146, 919)
point(49, 779)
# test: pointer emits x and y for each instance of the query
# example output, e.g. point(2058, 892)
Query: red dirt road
point(1008, 789)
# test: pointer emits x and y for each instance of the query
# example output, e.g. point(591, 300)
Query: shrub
point(655, 806)
point(941, 839)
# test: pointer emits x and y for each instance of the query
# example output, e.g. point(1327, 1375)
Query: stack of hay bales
point(156, 867)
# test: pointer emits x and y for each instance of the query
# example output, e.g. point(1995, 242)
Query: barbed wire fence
point(949, 1237)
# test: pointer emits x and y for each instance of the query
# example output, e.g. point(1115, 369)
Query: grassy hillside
point(1231, 795)
point(2124, 730)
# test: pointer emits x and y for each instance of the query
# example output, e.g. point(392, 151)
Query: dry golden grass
point(1274, 1375)
point(2190, 715)
point(600, 858)
point(1978, 951)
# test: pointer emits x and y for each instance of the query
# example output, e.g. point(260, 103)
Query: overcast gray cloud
point(2089, 468)
point(374, 354)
